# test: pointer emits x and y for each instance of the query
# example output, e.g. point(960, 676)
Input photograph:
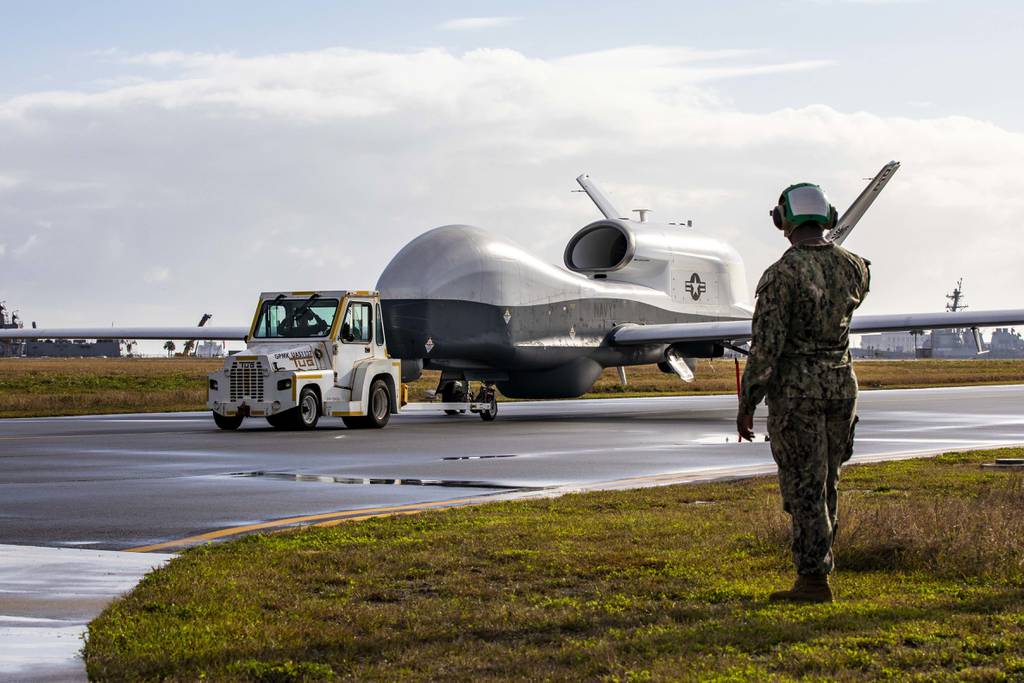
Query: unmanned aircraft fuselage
point(479, 307)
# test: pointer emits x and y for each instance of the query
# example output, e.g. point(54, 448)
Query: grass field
point(78, 386)
point(719, 376)
point(656, 584)
point(33, 387)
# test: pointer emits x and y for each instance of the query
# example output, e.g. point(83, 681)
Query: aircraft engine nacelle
point(611, 246)
point(692, 268)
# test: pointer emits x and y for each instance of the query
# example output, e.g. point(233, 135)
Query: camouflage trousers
point(810, 439)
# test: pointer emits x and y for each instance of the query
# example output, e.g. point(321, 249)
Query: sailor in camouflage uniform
point(800, 361)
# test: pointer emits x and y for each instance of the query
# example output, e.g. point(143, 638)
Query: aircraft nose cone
point(443, 263)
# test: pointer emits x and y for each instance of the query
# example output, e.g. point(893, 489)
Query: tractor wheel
point(379, 410)
point(283, 420)
point(307, 414)
point(228, 422)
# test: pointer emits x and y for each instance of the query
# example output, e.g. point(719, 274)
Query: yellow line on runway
point(323, 519)
point(328, 519)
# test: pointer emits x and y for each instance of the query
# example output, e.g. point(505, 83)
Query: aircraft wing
point(673, 333)
point(740, 330)
point(184, 332)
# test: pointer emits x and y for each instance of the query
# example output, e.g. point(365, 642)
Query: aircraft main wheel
point(308, 412)
point(453, 392)
point(491, 412)
point(282, 420)
point(229, 422)
point(380, 405)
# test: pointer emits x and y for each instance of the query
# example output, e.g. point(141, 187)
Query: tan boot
point(808, 588)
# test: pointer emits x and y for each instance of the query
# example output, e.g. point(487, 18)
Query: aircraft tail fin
point(852, 215)
point(598, 197)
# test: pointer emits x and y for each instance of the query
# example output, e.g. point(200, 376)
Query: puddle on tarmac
point(726, 437)
point(380, 481)
point(476, 457)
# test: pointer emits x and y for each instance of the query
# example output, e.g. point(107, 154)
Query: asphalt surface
point(85, 486)
point(130, 481)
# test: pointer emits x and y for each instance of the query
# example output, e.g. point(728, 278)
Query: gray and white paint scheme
point(480, 307)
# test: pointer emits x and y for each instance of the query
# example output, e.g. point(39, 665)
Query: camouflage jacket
point(801, 327)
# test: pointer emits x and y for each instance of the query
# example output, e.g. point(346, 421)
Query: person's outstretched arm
point(770, 327)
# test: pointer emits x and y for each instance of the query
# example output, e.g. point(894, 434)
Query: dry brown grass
point(719, 376)
point(973, 532)
point(75, 386)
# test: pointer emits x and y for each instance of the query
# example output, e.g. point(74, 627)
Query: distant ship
point(951, 343)
point(51, 348)
point(10, 321)
point(945, 343)
point(84, 348)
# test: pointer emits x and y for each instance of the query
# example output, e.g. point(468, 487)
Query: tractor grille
point(246, 381)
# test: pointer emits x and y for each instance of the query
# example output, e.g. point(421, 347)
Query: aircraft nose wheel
point(453, 392)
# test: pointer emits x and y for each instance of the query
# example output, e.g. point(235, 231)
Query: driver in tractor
point(307, 324)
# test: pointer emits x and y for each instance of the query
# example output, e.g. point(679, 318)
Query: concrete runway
point(160, 481)
point(47, 598)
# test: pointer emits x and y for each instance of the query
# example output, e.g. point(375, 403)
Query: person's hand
point(745, 426)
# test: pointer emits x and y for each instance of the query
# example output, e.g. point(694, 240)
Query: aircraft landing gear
point(486, 395)
point(483, 402)
point(454, 392)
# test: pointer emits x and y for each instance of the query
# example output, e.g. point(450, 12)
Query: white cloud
point(476, 23)
point(157, 274)
point(321, 256)
point(868, 2)
point(303, 170)
point(26, 246)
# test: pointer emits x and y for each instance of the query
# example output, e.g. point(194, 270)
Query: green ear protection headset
point(800, 203)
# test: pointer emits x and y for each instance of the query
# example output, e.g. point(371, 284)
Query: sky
point(163, 160)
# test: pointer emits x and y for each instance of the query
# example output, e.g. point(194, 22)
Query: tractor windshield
point(305, 317)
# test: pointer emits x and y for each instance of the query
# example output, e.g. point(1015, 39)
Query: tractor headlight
point(283, 384)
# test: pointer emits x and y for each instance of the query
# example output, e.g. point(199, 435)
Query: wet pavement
point(125, 481)
point(48, 595)
point(84, 486)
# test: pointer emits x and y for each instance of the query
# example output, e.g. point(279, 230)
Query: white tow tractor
point(314, 354)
